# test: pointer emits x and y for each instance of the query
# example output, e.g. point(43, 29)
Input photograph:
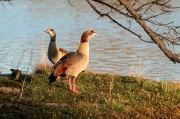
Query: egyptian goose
point(54, 52)
point(73, 63)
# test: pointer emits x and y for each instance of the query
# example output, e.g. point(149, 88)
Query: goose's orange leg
point(69, 82)
point(74, 86)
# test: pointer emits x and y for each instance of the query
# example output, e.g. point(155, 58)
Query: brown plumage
point(73, 63)
point(54, 52)
point(16, 73)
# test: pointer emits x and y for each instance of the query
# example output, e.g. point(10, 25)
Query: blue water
point(116, 50)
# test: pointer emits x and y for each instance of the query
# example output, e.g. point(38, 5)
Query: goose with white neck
point(54, 52)
point(73, 63)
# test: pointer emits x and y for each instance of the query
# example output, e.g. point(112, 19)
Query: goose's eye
point(92, 31)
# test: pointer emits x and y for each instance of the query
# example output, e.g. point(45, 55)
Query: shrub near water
point(104, 96)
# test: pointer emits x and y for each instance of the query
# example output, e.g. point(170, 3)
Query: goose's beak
point(46, 31)
point(96, 35)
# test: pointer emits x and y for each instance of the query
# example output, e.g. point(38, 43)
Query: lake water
point(116, 50)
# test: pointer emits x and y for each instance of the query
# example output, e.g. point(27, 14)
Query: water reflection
point(22, 27)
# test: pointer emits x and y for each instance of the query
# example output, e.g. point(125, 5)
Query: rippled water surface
point(116, 50)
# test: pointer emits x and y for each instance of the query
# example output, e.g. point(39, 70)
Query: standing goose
point(73, 63)
point(54, 52)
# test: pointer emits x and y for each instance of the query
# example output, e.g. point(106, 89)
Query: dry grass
point(42, 66)
point(127, 98)
point(140, 69)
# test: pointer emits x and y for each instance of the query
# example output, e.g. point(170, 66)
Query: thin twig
point(5, 1)
point(2, 4)
point(20, 59)
point(5, 55)
point(31, 57)
point(107, 15)
point(106, 4)
point(10, 3)
point(70, 2)
point(22, 89)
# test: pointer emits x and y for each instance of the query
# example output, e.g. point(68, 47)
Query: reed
point(42, 66)
point(140, 69)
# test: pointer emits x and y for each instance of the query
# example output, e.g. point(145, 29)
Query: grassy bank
point(104, 96)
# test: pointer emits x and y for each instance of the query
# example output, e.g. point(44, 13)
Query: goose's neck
point(84, 48)
point(53, 38)
point(53, 48)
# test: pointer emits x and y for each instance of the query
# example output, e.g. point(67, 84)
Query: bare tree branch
point(153, 36)
point(142, 12)
point(5, 1)
point(100, 1)
point(107, 15)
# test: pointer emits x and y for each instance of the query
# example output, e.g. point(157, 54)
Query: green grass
point(104, 97)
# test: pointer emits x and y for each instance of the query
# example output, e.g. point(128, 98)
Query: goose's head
point(51, 32)
point(87, 35)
